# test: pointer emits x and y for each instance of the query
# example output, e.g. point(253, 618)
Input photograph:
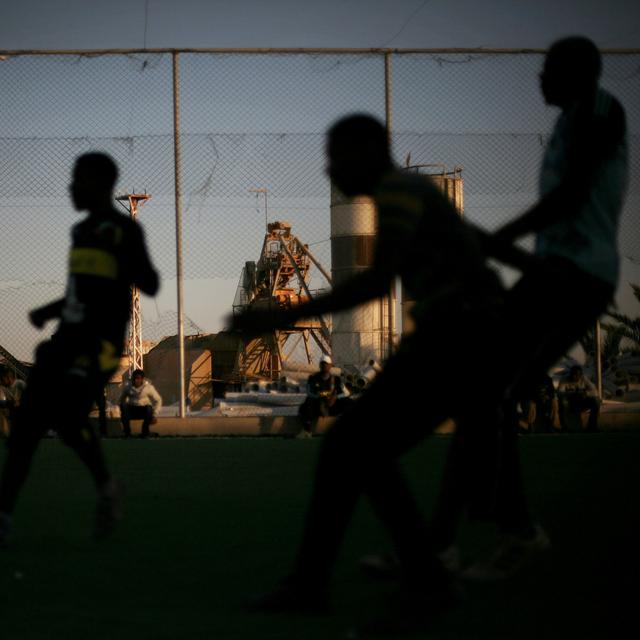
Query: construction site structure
point(131, 202)
point(21, 370)
point(279, 279)
point(450, 182)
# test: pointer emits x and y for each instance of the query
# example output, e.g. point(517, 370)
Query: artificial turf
point(210, 522)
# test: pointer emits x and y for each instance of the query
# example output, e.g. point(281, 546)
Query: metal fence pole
point(389, 126)
point(598, 357)
point(178, 206)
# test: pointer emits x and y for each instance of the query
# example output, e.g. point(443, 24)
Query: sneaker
point(387, 566)
point(5, 530)
point(304, 435)
point(512, 554)
point(108, 510)
point(291, 597)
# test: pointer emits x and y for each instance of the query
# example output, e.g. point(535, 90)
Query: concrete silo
point(452, 185)
point(363, 333)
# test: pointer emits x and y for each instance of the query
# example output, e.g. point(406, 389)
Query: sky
point(91, 24)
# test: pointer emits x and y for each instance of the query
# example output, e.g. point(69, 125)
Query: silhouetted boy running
point(458, 299)
point(108, 255)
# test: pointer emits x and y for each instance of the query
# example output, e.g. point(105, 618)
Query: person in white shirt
point(577, 394)
point(139, 401)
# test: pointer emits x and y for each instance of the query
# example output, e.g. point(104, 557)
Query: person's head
point(571, 71)
point(94, 177)
point(358, 154)
point(137, 378)
point(325, 364)
point(575, 373)
point(7, 376)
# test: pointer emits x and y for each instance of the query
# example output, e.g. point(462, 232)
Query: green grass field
point(211, 521)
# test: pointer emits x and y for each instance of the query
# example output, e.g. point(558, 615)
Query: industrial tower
point(280, 278)
point(130, 202)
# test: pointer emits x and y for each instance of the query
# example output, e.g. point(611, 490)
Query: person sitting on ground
point(577, 394)
point(326, 396)
point(540, 410)
point(11, 390)
point(139, 401)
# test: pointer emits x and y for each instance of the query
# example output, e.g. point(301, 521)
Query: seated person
point(139, 401)
point(540, 409)
point(11, 390)
point(577, 394)
point(326, 396)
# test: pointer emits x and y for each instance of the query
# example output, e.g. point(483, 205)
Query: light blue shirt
point(589, 239)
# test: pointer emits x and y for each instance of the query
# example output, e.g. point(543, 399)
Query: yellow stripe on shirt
point(93, 262)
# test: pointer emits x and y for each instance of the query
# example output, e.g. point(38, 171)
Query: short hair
point(360, 130)
point(579, 53)
point(136, 373)
point(99, 167)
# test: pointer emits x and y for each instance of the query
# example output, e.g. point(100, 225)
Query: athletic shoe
point(5, 530)
point(291, 597)
point(387, 566)
point(108, 510)
point(303, 435)
point(512, 554)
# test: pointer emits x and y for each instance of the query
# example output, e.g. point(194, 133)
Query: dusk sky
point(44, 106)
point(91, 24)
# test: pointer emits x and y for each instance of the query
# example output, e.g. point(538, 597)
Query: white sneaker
point(512, 554)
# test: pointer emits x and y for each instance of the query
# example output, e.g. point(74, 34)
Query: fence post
point(388, 114)
point(597, 334)
point(178, 206)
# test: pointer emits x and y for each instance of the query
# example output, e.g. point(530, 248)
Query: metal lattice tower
point(131, 202)
point(280, 278)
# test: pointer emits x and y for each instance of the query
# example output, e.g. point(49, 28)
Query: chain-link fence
point(252, 131)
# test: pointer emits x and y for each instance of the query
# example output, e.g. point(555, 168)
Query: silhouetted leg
point(78, 434)
point(358, 456)
point(22, 444)
point(147, 417)
point(592, 405)
point(125, 418)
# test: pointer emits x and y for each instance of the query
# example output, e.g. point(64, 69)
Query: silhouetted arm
point(593, 139)
point(39, 316)
point(361, 288)
point(145, 277)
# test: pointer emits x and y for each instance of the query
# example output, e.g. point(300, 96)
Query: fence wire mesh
point(252, 140)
